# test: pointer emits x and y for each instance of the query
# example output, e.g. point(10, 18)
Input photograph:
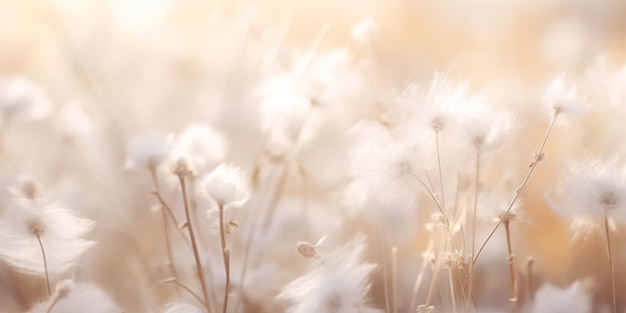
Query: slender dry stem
point(194, 246)
point(45, 265)
point(166, 232)
point(512, 272)
point(610, 250)
point(443, 198)
point(474, 210)
point(185, 287)
point(520, 189)
point(226, 256)
point(529, 279)
point(394, 277)
point(419, 278)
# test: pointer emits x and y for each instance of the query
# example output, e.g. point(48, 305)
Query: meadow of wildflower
point(312, 156)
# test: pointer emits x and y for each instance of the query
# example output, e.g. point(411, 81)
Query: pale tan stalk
point(512, 271)
point(520, 189)
point(45, 265)
point(194, 246)
point(610, 250)
point(225, 255)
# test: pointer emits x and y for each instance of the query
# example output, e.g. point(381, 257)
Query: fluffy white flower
point(597, 187)
point(147, 151)
point(437, 108)
point(226, 185)
point(336, 281)
point(551, 299)
point(201, 145)
point(564, 100)
point(60, 231)
point(484, 128)
point(80, 297)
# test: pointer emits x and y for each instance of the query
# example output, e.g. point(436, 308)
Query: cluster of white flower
point(174, 156)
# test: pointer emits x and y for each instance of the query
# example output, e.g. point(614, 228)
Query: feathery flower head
point(60, 231)
point(484, 128)
point(598, 187)
point(336, 281)
point(227, 186)
point(147, 151)
point(201, 145)
point(563, 99)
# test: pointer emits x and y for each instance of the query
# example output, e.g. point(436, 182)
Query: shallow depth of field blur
point(312, 156)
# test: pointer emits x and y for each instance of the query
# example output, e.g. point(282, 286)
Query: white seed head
point(227, 186)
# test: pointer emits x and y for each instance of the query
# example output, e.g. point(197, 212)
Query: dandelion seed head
point(564, 100)
point(227, 186)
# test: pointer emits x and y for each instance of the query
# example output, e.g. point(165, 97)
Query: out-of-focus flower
point(564, 100)
point(21, 99)
point(72, 121)
point(598, 187)
point(79, 297)
point(551, 299)
point(484, 128)
point(60, 231)
point(201, 145)
point(335, 281)
point(147, 151)
point(364, 30)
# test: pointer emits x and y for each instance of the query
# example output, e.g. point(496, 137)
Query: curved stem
point(45, 265)
point(519, 190)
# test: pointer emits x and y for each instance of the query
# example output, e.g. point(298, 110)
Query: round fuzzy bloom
point(22, 99)
point(336, 281)
point(227, 186)
point(484, 128)
point(60, 231)
point(201, 145)
point(179, 307)
point(563, 99)
point(72, 122)
point(437, 108)
point(78, 298)
point(597, 188)
point(574, 299)
point(147, 151)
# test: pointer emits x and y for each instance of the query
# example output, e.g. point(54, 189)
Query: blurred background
point(137, 66)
